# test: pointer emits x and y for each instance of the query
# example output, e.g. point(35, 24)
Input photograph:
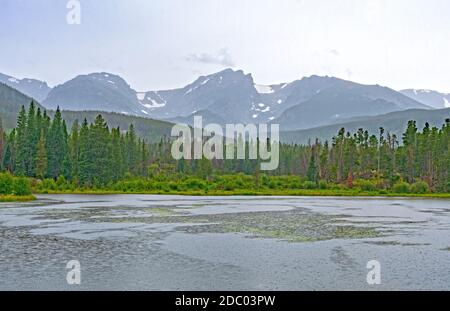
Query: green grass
point(15, 198)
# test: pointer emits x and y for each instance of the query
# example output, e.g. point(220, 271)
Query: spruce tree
point(101, 151)
point(21, 158)
point(85, 158)
point(2, 145)
point(57, 146)
point(41, 161)
point(74, 150)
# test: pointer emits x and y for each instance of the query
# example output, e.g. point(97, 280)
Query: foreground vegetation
point(237, 184)
point(92, 158)
point(15, 188)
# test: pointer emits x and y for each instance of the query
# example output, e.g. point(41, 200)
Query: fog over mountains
point(231, 96)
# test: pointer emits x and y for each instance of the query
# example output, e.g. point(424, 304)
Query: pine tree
point(100, 151)
point(74, 150)
point(9, 161)
point(311, 174)
point(2, 145)
point(41, 161)
point(117, 158)
point(131, 158)
point(410, 146)
point(21, 158)
point(85, 159)
point(57, 146)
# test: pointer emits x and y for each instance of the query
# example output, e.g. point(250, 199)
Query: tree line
point(90, 154)
point(93, 155)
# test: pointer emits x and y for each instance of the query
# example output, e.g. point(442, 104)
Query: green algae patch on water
point(291, 226)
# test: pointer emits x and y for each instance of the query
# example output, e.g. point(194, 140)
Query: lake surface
point(146, 242)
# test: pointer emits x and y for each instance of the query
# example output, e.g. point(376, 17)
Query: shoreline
point(289, 193)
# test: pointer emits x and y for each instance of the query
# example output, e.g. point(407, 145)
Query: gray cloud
point(221, 57)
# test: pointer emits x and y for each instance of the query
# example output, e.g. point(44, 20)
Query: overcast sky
point(168, 43)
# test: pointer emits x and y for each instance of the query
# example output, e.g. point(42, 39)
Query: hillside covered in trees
point(91, 155)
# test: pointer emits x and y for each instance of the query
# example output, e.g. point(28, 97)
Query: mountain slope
point(394, 122)
point(343, 100)
point(149, 129)
point(11, 101)
point(30, 87)
point(96, 92)
point(428, 97)
point(207, 118)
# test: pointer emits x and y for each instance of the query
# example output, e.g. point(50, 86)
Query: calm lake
point(147, 242)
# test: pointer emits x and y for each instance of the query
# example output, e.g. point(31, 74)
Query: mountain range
point(233, 97)
point(308, 105)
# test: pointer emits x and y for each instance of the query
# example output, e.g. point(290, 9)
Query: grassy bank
point(17, 198)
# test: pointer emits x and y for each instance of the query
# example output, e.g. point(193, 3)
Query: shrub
point(61, 182)
point(401, 187)
point(272, 184)
point(48, 184)
point(338, 187)
point(309, 185)
point(295, 184)
point(195, 184)
point(367, 185)
point(22, 186)
point(6, 183)
point(420, 187)
point(323, 185)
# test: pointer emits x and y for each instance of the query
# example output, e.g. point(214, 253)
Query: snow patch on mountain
point(446, 102)
point(264, 89)
point(140, 95)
